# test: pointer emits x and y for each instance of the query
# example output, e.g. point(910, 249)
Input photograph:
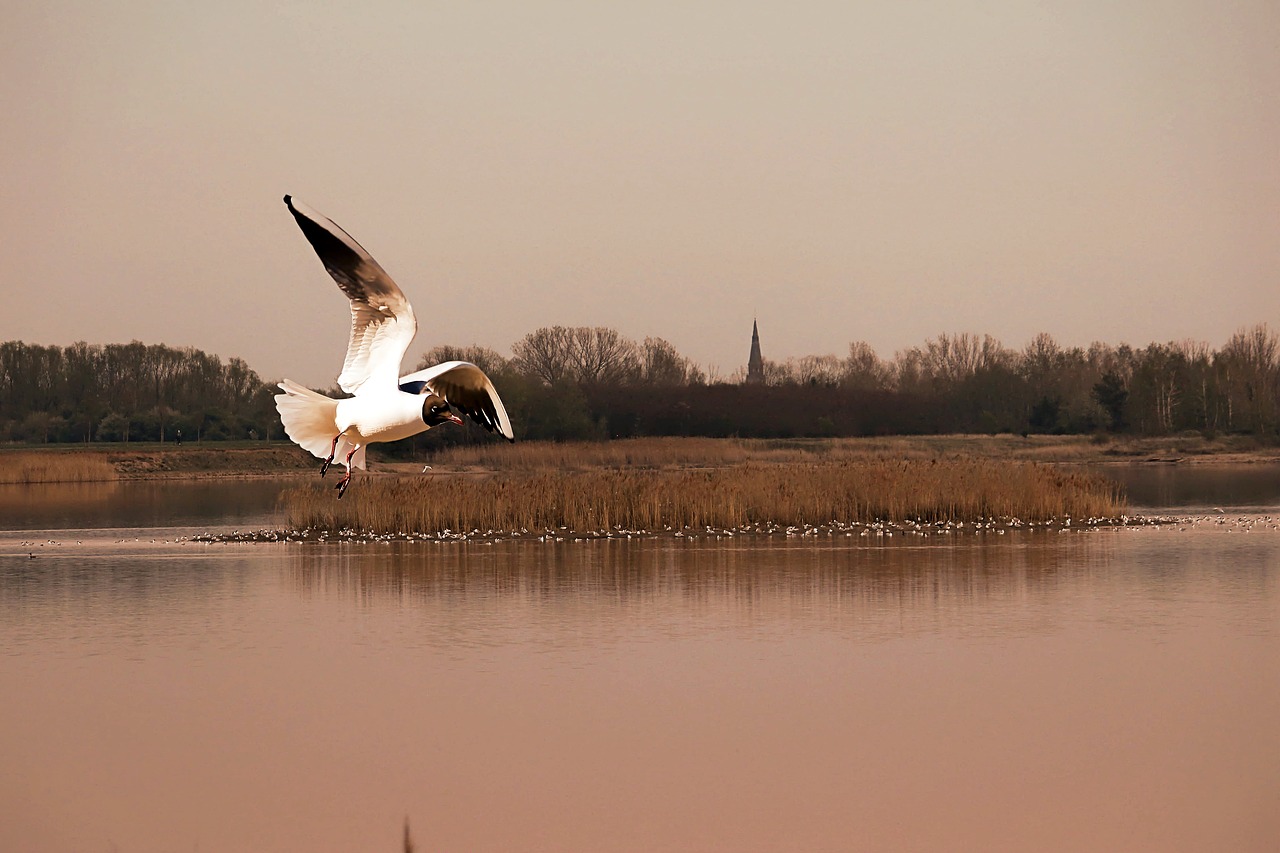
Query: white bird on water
point(385, 406)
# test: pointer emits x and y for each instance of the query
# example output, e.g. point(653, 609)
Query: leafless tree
point(488, 360)
point(908, 370)
point(863, 369)
point(661, 364)
point(825, 370)
point(583, 354)
point(1042, 357)
point(950, 359)
point(545, 353)
point(1250, 367)
point(601, 356)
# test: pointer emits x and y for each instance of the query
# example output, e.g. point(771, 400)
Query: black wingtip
point(288, 199)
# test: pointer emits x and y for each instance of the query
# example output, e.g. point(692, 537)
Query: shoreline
point(876, 532)
point(107, 462)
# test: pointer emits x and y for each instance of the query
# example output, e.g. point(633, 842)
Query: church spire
point(755, 364)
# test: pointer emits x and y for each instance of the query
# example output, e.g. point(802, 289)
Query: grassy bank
point(719, 452)
point(105, 461)
point(726, 498)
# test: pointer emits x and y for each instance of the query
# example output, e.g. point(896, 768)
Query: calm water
point(1104, 690)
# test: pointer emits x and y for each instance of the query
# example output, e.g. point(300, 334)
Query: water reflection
point(1198, 486)
point(867, 590)
point(1102, 690)
point(140, 503)
point(742, 569)
point(53, 504)
point(652, 694)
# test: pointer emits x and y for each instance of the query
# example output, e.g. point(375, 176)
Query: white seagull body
point(384, 405)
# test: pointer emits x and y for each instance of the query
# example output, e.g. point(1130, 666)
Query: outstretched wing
point(382, 321)
point(467, 388)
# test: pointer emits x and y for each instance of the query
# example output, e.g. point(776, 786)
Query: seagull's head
point(436, 411)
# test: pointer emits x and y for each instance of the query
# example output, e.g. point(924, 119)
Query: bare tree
point(583, 354)
point(1042, 357)
point(825, 370)
point(1250, 366)
point(1155, 391)
point(863, 369)
point(488, 360)
point(1201, 389)
point(950, 359)
point(779, 372)
point(909, 370)
point(601, 356)
point(545, 353)
point(661, 364)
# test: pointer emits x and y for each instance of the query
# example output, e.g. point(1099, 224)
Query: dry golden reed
point(730, 497)
point(56, 467)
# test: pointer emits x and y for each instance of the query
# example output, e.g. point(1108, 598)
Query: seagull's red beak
point(457, 420)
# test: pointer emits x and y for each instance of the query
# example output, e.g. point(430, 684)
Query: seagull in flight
point(384, 405)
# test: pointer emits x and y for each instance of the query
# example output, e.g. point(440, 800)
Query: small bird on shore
point(384, 406)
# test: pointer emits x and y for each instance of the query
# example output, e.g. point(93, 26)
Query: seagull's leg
point(333, 448)
point(342, 484)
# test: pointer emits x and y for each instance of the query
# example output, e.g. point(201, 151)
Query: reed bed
point(57, 467)
point(732, 497)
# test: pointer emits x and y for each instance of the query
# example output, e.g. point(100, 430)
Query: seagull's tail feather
point(310, 419)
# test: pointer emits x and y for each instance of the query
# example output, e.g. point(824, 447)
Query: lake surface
point(1099, 690)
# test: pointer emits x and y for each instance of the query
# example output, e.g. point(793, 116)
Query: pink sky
point(1103, 170)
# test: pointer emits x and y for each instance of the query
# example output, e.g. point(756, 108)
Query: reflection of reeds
point(767, 575)
point(35, 467)
point(786, 494)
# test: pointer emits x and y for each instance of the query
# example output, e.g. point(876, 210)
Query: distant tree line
point(129, 392)
point(584, 383)
point(564, 383)
point(974, 384)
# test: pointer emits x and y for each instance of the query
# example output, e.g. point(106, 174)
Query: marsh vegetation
point(35, 467)
point(731, 497)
